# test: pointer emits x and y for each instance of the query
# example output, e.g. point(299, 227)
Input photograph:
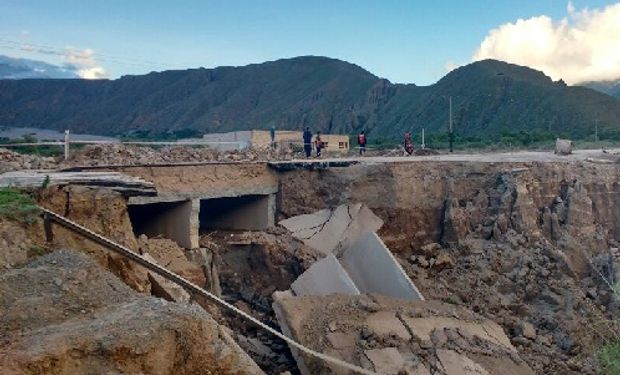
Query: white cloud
point(84, 62)
point(450, 66)
point(584, 46)
point(92, 73)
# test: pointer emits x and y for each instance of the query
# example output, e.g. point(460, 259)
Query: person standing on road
point(308, 142)
point(272, 134)
point(408, 143)
point(318, 144)
point(361, 141)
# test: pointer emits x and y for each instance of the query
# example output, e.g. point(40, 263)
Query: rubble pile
point(392, 336)
point(250, 267)
point(13, 161)
point(119, 154)
point(528, 289)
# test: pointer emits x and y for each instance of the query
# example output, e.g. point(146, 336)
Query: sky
point(403, 41)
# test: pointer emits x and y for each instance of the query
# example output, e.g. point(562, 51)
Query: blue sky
point(404, 41)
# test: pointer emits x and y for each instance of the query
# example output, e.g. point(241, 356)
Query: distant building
point(243, 139)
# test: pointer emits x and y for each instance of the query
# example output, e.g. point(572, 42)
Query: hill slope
point(608, 87)
point(326, 94)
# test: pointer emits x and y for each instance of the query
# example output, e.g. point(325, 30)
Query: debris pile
point(13, 161)
point(120, 154)
point(392, 336)
point(250, 266)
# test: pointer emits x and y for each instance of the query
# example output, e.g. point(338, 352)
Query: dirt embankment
point(63, 313)
point(104, 212)
point(519, 243)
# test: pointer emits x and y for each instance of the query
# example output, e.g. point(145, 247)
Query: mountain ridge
point(327, 94)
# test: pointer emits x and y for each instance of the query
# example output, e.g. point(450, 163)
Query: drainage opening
point(247, 212)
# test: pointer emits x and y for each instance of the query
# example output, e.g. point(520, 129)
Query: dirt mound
point(393, 336)
point(171, 256)
point(13, 161)
point(64, 314)
point(120, 154)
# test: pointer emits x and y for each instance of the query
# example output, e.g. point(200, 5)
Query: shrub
point(18, 206)
point(609, 358)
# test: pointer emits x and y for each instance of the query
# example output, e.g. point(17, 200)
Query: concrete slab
point(454, 363)
point(386, 361)
point(324, 277)
point(373, 269)
point(422, 328)
point(386, 324)
point(330, 229)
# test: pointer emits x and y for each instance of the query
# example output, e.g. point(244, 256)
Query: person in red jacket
point(408, 143)
point(318, 143)
point(361, 141)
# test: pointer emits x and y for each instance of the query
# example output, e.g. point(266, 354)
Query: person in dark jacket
point(272, 135)
point(308, 142)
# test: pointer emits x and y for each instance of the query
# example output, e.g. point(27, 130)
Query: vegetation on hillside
point(15, 205)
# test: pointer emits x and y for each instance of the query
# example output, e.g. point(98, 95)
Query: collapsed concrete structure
point(511, 241)
point(357, 260)
point(357, 263)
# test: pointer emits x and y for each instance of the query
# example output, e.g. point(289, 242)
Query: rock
point(255, 346)
point(332, 326)
point(520, 340)
point(368, 305)
point(171, 256)
point(430, 249)
point(528, 330)
point(456, 222)
point(164, 288)
point(444, 260)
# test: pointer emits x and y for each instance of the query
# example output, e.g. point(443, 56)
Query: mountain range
point(608, 87)
point(488, 97)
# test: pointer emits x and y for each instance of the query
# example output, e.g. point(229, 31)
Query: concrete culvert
point(247, 212)
point(171, 220)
